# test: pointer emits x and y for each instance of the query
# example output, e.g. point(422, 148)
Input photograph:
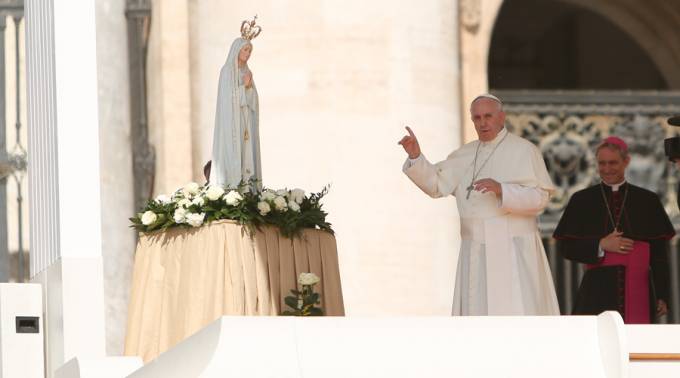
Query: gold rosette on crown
point(249, 30)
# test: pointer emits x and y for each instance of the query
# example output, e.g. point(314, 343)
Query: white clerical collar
point(615, 187)
point(497, 139)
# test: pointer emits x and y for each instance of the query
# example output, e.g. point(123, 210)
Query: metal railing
point(13, 162)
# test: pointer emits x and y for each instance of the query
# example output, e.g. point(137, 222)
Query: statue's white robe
point(502, 266)
point(236, 136)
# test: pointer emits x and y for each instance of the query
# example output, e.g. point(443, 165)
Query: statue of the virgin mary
point(236, 138)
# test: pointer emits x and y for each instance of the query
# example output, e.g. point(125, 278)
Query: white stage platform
point(282, 347)
point(290, 347)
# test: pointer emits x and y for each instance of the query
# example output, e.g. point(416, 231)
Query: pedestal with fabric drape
point(183, 279)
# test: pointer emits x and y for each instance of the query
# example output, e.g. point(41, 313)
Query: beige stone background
point(337, 80)
point(337, 83)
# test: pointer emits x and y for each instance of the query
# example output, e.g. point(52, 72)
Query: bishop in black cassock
point(632, 275)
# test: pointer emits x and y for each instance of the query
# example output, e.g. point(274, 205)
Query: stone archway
point(557, 45)
point(653, 27)
point(477, 20)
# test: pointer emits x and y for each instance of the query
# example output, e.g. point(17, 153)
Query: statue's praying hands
point(410, 144)
point(248, 79)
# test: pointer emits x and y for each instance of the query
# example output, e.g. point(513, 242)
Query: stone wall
point(337, 83)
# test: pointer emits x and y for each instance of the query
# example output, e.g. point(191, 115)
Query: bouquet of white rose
point(303, 302)
point(194, 205)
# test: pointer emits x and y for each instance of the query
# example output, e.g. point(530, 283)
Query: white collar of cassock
point(497, 139)
point(615, 187)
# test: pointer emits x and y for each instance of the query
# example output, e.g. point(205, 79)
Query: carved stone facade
point(470, 14)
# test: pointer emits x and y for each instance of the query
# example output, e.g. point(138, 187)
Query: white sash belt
point(475, 229)
point(496, 234)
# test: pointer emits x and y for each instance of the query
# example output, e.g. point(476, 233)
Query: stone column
point(64, 181)
point(169, 95)
point(477, 20)
point(116, 172)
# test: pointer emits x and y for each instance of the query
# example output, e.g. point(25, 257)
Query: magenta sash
point(636, 297)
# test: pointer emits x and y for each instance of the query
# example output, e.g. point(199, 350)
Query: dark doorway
point(551, 44)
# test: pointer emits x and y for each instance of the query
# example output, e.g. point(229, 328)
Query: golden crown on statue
point(249, 30)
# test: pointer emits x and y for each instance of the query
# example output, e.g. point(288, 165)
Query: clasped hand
point(488, 185)
point(615, 242)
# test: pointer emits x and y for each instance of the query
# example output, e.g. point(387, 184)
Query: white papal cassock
point(502, 267)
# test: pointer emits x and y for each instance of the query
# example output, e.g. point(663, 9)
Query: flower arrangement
point(195, 205)
point(303, 303)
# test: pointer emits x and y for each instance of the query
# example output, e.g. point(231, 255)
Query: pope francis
point(501, 185)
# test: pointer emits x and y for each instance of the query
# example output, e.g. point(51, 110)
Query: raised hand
point(410, 144)
point(615, 242)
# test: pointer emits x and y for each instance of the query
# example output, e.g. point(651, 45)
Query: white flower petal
point(149, 217)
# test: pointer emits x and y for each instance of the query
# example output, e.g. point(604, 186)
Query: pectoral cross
point(469, 190)
point(246, 135)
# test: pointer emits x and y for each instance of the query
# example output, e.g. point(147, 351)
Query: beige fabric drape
point(183, 279)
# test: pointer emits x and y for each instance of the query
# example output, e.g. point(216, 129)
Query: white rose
point(297, 195)
point(149, 217)
point(190, 189)
point(195, 219)
point(162, 198)
point(198, 201)
point(293, 206)
point(214, 192)
point(280, 203)
point(268, 195)
point(308, 279)
point(184, 203)
point(233, 198)
point(180, 215)
point(281, 192)
point(264, 208)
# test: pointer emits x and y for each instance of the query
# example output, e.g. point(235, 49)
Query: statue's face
point(244, 54)
point(611, 165)
point(488, 118)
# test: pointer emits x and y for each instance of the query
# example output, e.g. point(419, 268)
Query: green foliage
point(194, 201)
